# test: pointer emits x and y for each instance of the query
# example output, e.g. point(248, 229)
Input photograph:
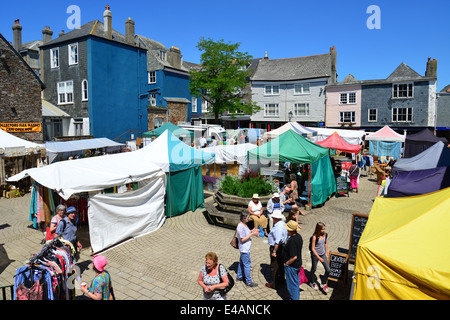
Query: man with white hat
point(274, 203)
point(276, 239)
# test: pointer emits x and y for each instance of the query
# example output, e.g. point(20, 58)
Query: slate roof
point(402, 73)
point(92, 28)
point(308, 67)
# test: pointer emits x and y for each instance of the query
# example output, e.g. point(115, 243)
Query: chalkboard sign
point(359, 221)
point(338, 266)
point(342, 186)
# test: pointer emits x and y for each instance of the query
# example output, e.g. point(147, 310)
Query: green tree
point(222, 78)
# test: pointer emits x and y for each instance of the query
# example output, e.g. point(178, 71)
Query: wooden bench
point(381, 174)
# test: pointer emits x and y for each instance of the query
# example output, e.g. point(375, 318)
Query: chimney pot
point(17, 35)
point(129, 31)
point(107, 22)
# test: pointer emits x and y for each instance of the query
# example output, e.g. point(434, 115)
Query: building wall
point(379, 96)
point(118, 85)
point(334, 107)
point(77, 73)
point(286, 100)
point(20, 91)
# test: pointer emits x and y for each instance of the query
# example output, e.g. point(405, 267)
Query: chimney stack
point(129, 31)
point(265, 55)
point(431, 70)
point(333, 53)
point(107, 22)
point(47, 34)
point(17, 35)
point(174, 57)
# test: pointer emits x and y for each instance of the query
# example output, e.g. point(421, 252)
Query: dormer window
point(162, 55)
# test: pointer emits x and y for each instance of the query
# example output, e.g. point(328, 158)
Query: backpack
point(230, 280)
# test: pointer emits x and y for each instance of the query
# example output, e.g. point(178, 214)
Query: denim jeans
point(326, 266)
point(244, 267)
point(292, 282)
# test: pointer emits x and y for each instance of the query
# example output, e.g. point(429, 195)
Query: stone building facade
point(20, 94)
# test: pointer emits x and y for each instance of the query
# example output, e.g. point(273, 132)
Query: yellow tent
point(403, 253)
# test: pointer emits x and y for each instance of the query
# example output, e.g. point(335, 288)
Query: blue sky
point(411, 31)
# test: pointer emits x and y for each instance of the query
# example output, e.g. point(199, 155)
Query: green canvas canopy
point(176, 130)
point(294, 148)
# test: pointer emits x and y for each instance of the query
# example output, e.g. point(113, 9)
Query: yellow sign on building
point(21, 127)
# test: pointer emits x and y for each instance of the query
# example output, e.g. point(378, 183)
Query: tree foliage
point(222, 77)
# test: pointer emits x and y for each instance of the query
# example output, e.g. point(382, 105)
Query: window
point(302, 88)
point(205, 105)
point(301, 109)
point(162, 55)
point(73, 53)
point(84, 90)
point(402, 90)
point(272, 90)
point(54, 58)
point(152, 77)
point(158, 122)
point(347, 98)
point(65, 92)
point(347, 116)
point(271, 110)
point(401, 114)
point(78, 126)
point(372, 115)
point(194, 104)
point(152, 99)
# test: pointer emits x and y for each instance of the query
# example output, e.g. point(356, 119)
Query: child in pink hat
point(101, 288)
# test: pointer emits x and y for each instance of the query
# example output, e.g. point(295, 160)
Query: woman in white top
point(245, 235)
point(256, 214)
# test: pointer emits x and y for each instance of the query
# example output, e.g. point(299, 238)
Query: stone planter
point(225, 209)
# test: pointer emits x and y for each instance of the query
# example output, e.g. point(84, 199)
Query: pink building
point(343, 104)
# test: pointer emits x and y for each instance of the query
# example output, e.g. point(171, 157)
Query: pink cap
point(100, 262)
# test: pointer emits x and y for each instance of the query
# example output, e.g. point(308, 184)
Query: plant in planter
point(250, 183)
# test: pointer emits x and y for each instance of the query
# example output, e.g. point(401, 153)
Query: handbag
point(234, 241)
point(302, 276)
point(230, 281)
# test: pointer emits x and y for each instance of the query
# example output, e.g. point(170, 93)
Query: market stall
point(419, 142)
point(293, 126)
point(350, 136)
point(385, 142)
point(113, 217)
point(399, 256)
point(294, 148)
point(74, 149)
point(436, 156)
point(336, 142)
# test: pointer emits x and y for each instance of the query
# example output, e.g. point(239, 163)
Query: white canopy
point(16, 146)
point(55, 147)
point(95, 173)
point(294, 126)
point(112, 217)
point(231, 153)
point(349, 136)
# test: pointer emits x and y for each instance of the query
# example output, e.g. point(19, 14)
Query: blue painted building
point(99, 77)
point(168, 85)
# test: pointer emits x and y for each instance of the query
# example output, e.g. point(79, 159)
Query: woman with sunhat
point(101, 288)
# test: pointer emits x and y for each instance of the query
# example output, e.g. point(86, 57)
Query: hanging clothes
point(46, 275)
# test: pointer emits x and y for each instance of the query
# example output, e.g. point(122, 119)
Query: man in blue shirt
point(276, 239)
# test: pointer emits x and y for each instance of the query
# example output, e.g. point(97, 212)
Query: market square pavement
point(165, 264)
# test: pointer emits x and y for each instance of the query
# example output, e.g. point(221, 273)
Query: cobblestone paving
point(165, 264)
